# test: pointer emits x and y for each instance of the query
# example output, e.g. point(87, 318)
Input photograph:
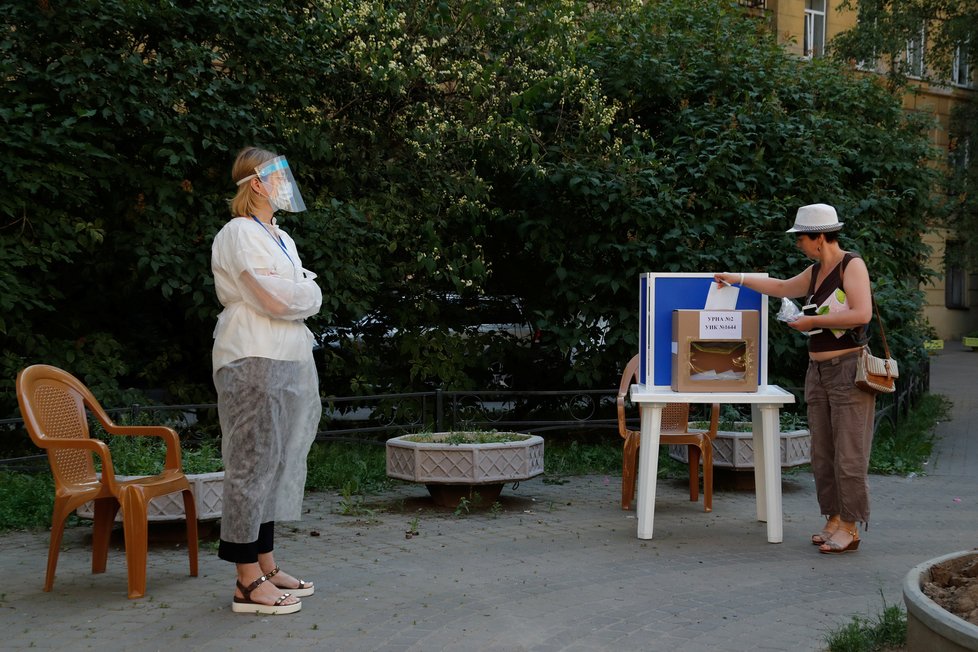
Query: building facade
point(806, 28)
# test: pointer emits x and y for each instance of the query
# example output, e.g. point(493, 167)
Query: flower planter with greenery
point(933, 346)
point(465, 465)
point(931, 590)
point(733, 448)
point(971, 340)
point(141, 456)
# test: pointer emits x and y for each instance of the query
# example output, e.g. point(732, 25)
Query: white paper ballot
point(722, 297)
point(713, 375)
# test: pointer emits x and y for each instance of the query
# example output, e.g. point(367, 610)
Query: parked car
point(503, 340)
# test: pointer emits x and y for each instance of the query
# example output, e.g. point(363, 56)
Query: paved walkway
point(560, 568)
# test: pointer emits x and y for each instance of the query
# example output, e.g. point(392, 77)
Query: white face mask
point(279, 185)
point(281, 198)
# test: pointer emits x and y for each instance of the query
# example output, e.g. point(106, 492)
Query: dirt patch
point(953, 585)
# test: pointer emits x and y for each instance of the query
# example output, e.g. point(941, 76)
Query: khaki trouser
point(840, 418)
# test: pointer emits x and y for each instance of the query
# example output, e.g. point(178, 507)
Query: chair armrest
point(622, 430)
point(714, 421)
point(168, 435)
point(628, 376)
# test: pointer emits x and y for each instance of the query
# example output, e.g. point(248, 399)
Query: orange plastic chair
point(675, 430)
point(53, 404)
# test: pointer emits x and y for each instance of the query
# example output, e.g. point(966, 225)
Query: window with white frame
point(961, 70)
point(915, 53)
point(814, 45)
point(871, 63)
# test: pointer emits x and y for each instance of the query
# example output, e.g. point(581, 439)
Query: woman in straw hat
point(836, 291)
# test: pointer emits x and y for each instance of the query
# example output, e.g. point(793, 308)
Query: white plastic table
point(765, 405)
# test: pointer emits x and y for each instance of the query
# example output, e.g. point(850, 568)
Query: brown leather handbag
point(877, 375)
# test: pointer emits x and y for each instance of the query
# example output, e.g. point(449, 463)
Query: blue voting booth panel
point(659, 295)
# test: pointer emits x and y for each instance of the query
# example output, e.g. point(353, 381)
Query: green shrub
point(461, 146)
point(146, 455)
point(26, 500)
point(906, 448)
point(887, 632)
point(349, 468)
point(475, 437)
point(574, 457)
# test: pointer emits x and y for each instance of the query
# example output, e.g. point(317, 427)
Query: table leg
point(760, 479)
point(648, 467)
point(767, 468)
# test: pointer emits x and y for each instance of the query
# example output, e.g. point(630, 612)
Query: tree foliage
point(885, 26)
point(951, 31)
point(550, 150)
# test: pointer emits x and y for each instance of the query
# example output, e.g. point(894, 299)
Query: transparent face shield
point(277, 180)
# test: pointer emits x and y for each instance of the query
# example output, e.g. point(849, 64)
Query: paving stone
point(559, 569)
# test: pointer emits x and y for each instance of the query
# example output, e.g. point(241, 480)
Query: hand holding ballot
point(790, 313)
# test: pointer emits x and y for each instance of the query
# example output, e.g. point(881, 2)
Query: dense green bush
point(552, 150)
point(739, 135)
point(26, 500)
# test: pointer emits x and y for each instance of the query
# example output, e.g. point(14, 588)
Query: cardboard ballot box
point(714, 350)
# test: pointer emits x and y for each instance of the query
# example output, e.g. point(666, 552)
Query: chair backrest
point(52, 403)
point(675, 416)
point(629, 376)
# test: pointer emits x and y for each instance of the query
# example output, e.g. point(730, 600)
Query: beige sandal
point(245, 605)
point(823, 537)
point(303, 590)
point(832, 547)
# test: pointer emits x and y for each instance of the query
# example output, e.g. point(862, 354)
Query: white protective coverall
point(267, 386)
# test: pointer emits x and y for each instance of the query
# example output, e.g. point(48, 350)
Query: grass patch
point(348, 468)
point(887, 632)
point(906, 448)
point(26, 500)
point(568, 458)
point(563, 459)
point(146, 455)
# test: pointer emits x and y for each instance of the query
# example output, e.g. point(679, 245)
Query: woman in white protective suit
point(267, 388)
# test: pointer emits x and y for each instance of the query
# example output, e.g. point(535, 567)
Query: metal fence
point(376, 418)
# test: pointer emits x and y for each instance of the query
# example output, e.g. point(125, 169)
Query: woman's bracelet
point(741, 279)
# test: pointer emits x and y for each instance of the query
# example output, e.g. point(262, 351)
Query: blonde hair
point(246, 199)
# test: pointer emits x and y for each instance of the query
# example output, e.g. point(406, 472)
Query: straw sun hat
point(815, 218)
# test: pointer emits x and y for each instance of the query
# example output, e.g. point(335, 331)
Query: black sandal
point(245, 605)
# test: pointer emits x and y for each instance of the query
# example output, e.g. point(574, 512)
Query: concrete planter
point(735, 450)
point(208, 491)
point(931, 628)
point(971, 342)
point(472, 471)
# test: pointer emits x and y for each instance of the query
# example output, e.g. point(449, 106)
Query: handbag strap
point(876, 310)
point(879, 320)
